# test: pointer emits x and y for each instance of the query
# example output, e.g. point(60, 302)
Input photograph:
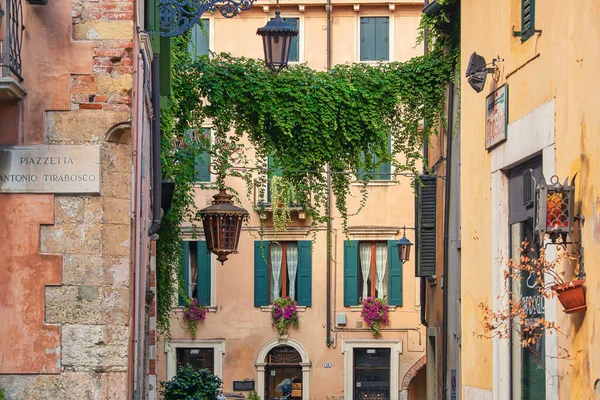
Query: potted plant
point(374, 312)
point(571, 295)
point(283, 313)
point(193, 313)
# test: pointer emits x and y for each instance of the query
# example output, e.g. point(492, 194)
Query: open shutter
point(203, 266)
point(305, 273)
point(203, 162)
point(394, 275)
point(425, 225)
point(164, 62)
point(350, 273)
point(527, 19)
point(261, 273)
point(184, 264)
point(385, 169)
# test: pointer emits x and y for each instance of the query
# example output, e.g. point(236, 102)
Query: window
point(196, 269)
point(372, 373)
point(199, 358)
point(275, 170)
point(372, 268)
point(203, 160)
point(200, 43)
point(295, 44)
point(374, 38)
point(383, 172)
point(282, 269)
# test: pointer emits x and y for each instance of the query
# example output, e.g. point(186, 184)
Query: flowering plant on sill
point(374, 312)
point(284, 312)
point(193, 313)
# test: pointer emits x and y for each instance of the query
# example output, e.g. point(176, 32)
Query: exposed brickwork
point(412, 372)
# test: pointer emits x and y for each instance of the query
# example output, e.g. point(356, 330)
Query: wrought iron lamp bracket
point(578, 249)
point(177, 16)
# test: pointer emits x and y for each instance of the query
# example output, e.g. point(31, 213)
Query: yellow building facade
point(549, 69)
point(339, 360)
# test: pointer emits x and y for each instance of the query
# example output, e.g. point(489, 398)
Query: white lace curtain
point(365, 267)
point(380, 269)
point(291, 254)
point(276, 258)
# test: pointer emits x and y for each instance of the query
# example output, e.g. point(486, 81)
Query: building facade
point(546, 76)
point(76, 113)
point(339, 359)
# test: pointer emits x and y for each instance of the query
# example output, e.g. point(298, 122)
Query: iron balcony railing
point(11, 39)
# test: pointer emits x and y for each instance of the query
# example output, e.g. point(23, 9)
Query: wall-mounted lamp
point(477, 71)
point(277, 36)
point(555, 215)
point(404, 245)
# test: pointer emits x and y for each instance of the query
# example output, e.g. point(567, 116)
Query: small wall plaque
point(327, 365)
point(243, 385)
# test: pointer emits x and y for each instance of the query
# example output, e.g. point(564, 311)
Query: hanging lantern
point(555, 209)
point(277, 38)
point(404, 246)
point(222, 222)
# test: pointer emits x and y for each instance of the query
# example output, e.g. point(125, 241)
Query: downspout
point(329, 340)
point(423, 297)
point(449, 135)
point(155, 143)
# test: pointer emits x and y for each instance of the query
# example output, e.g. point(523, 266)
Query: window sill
point(269, 308)
point(209, 308)
point(359, 308)
point(10, 89)
point(375, 183)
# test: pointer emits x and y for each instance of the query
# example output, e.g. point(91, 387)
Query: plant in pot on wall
point(283, 313)
point(374, 312)
point(193, 313)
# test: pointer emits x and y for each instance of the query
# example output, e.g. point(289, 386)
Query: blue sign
point(452, 384)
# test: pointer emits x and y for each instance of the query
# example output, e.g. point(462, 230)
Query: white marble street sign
point(72, 169)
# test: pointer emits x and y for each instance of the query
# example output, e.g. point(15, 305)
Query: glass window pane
point(372, 373)
point(294, 46)
point(202, 358)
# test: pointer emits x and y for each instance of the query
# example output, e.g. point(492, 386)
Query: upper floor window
point(275, 170)
point(202, 166)
point(282, 269)
point(372, 269)
point(200, 43)
point(295, 43)
point(196, 272)
point(374, 38)
point(383, 171)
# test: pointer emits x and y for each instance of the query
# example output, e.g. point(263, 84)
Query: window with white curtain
point(283, 270)
point(373, 270)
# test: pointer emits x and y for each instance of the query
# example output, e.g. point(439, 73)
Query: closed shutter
point(164, 63)
point(203, 162)
point(394, 275)
point(527, 19)
point(367, 39)
point(425, 224)
point(350, 273)
point(382, 29)
point(184, 264)
point(305, 273)
point(294, 48)
point(199, 45)
point(203, 266)
point(261, 273)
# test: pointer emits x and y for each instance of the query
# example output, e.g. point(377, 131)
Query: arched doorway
point(284, 358)
point(283, 362)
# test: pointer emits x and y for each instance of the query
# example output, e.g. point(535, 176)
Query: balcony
point(11, 41)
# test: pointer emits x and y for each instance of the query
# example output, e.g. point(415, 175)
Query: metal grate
point(528, 188)
point(284, 355)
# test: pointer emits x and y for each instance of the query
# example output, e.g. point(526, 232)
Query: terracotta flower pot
point(571, 296)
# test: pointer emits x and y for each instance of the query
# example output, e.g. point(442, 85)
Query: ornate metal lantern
point(277, 37)
point(555, 209)
point(222, 222)
point(404, 246)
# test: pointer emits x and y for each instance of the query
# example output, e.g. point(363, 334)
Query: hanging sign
point(71, 169)
point(496, 117)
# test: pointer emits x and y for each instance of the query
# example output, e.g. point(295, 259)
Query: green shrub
point(253, 396)
point(192, 384)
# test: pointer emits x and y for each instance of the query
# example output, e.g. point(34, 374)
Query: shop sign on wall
point(496, 117)
point(69, 169)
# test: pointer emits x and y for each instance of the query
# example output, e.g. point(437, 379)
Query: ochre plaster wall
point(565, 69)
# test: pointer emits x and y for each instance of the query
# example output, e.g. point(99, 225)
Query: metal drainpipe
point(449, 134)
point(423, 296)
point(155, 143)
point(329, 340)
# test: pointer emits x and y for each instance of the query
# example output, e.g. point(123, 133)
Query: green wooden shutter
point(203, 265)
point(164, 62)
point(382, 29)
point(367, 39)
point(385, 169)
point(294, 45)
point(425, 223)
point(261, 273)
point(305, 273)
point(184, 264)
point(394, 275)
point(200, 43)
point(527, 19)
point(203, 162)
point(350, 273)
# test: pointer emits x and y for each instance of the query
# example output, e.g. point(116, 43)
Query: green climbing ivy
point(306, 120)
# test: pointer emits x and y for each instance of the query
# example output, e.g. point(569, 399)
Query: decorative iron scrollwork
point(11, 52)
point(177, 16)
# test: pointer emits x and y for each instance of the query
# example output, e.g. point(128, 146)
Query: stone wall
point(84, 317)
